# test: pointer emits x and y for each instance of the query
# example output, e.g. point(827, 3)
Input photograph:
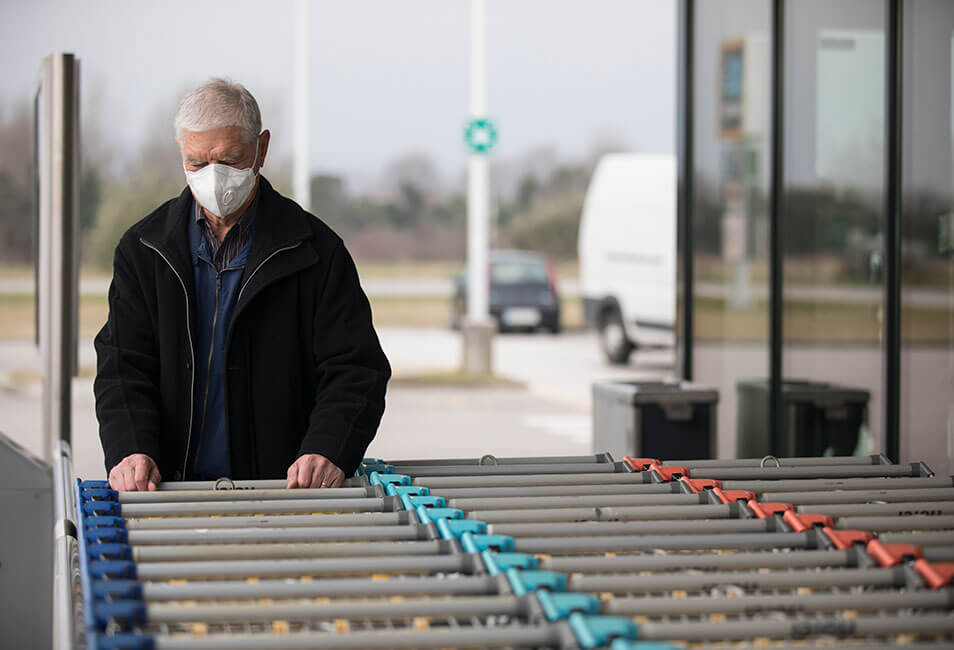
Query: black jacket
point(304, 370)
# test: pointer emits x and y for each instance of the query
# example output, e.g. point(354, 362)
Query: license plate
point(521, 317)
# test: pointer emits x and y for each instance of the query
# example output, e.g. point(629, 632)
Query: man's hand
point(136, 472)
point(314, 471)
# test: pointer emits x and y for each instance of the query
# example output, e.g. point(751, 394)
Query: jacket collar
point(280, 223)
point(276, 227)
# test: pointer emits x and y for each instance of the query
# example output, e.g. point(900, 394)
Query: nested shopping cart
point(548, 552)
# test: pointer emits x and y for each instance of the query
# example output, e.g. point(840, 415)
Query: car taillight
point(552, 277)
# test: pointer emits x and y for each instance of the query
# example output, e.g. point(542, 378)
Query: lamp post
point(480, 136)
point(301, 183)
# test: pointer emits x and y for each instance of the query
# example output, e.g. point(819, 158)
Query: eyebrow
point(230, 155)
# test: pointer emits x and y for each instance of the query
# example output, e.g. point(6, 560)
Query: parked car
point(523, 292)
point(627, 252)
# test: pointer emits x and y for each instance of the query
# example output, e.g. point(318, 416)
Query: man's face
point(223, 146)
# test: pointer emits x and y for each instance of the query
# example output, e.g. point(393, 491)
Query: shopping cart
point(550, 552)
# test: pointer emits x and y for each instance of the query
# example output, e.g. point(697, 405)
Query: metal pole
point(66, 560)
point(510, 636)
point(249, 550)
point(59, 232)
point(821, 471)
point(427, 564)
point(327, 588)
point(435, 482)
point(826, 485)
point(814, 559)
point(459, 607)
point(750, 604)
point(629, 513)
point(301, 181)
point(271, 521)
point(685, 135)
point(666, 582)
point(776, 203)
point(265, 535)
point(295, 506)
point(892, 230)
point(860, 626)
point(476, 329)
point(478, 185)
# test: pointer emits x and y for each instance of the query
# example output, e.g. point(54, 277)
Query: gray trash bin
point(654, 419)
point(818, 419)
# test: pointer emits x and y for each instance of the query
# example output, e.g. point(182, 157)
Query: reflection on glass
point(927, 242)
point(731, 122)
point(832, 220)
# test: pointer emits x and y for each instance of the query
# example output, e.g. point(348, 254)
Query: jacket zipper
point(185, 293)
point(208, 370)
point(260, 265)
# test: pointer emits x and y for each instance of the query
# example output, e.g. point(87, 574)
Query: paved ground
point(548, 415)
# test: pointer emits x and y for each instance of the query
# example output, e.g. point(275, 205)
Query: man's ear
point(263, 140)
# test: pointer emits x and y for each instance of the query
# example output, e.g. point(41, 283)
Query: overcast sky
point(387, 77)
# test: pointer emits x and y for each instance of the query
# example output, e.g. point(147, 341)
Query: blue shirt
point(216, 293)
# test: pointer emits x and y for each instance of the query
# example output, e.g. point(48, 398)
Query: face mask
point(222, 189)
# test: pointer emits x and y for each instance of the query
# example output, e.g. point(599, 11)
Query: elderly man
point(239, 342)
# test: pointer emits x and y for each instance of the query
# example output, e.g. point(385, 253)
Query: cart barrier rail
point(561, 552)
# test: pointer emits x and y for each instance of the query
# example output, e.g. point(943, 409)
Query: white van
point(627, 251)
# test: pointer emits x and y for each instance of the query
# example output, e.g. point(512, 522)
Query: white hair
point(218, 103)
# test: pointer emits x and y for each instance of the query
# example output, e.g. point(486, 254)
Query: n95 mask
point(222, 189)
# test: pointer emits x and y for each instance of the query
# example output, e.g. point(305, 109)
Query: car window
point(519, 272)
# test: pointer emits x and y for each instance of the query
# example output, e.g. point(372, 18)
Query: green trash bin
point(818, 419)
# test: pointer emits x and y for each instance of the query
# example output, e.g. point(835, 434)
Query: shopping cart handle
point(126, 612)
point(558, 606)
point(387, 478)
point(122, 641)
point(112, 569)
point(477, 543)
point(497, 563)
point(411, 490)
point(109, 551)
point(427, 515)
point(102, 508)
point(524, 582)
point(107, 535)
point(454, 528)
point(597, 631)
point(117, 589)
point(104, 521)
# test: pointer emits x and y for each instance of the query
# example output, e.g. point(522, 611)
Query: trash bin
point(654, 419)
point(818, 419)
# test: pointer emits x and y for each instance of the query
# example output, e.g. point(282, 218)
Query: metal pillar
point(892, 231)
point(684, 199)
point(301, 183)
point(57, 295)
point(477, 330)
point(776, 204)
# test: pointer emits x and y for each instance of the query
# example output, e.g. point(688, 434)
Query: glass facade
point(730, 179)
point(927, 238)
point(832, 221)
point(831, 209)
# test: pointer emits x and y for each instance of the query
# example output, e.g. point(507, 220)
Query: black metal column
point(892, 230)
point(684, 199)
point(776, 191)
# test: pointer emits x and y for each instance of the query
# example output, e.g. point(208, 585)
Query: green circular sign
point(480, 135)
